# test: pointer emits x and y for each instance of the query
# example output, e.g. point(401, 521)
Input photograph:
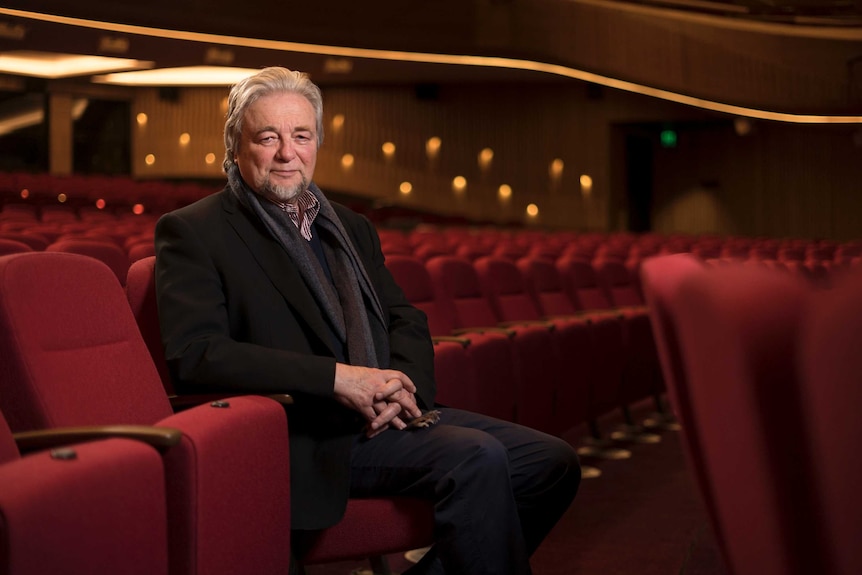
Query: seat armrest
point(463, 341)
point(486, 329)
point(161, 438)
point(186, 401)
point(529, 323)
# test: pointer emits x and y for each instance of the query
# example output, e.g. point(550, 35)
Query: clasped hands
point(385, 397)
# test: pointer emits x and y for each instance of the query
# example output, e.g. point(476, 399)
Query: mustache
point(284, 193)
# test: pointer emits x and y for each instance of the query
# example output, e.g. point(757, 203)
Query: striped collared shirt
point(302, 213)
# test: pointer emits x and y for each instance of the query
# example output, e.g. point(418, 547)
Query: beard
point(283, 194)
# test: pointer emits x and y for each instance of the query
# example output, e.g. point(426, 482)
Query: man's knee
point(479, 459)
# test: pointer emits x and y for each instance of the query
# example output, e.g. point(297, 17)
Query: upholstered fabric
point(100, 509)
point(831, 367)
point(490, 352)
point(141, 293)
point(105, 251)
point(737, 329)
point(506, 289)
point(73, 356)
point(536, 357)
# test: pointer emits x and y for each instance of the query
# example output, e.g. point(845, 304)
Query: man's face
point(277, 149)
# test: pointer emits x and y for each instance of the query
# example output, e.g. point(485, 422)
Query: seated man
point(268, 287)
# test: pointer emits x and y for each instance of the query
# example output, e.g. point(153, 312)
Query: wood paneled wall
point(781, 179)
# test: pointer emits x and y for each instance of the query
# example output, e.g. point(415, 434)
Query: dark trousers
point(498, 488)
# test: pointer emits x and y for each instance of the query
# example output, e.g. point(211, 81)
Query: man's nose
point(286, 150)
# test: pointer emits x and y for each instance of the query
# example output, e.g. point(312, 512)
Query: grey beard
point(282, 193)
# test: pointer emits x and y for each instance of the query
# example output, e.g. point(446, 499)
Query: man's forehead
point(282, 111)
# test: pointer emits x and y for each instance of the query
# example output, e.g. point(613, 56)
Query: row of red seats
point(763, 372)
point(534, 342)
point(116, 240)
point(211, 499)
point(156, 196)
point(628, 247)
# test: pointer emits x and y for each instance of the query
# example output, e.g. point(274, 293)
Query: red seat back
point(80, 337)
point(832, 393)
point(737, 326)
point(141, 294)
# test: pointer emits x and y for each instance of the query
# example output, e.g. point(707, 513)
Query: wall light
point(586, 185)
point(486, 156)
point(388, 149)
point(459, 184)
point(432, 147)
point(347, 161)
point(405, 188)
point(337, 122)
point(556, 168)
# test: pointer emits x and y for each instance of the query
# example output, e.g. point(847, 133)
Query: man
point(268, 287)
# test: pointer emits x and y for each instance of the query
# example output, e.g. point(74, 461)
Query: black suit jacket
point(237, 317)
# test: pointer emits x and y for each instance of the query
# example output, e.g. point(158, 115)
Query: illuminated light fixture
point(337, 122)
point(388, 149)
point(848, 33)
point(182, 76)
point(347, 161)
point(432, 146)
point(742, 126)
point(55, 65)
point(150, 159)
point(224, 105)
point(532, 210)
point(138, 209)
point(210, 158)
point(405, 188)
point(61, 197)
point(25, 193)
point(100, 204)
point(459, 184)
point(486, 156)
point(141, 119)
point(586, 185)
point(556, 169)
point(504, 192)
point(338, 66)
point(185, 138)
point(668, 138)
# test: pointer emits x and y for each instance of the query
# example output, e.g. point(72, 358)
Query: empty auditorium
point(465, 287)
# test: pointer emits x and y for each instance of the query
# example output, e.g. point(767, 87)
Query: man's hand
point(380, 395)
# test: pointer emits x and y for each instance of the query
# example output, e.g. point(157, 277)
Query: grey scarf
point(350, 305)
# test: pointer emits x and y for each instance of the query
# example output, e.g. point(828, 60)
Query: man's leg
point(498, 487)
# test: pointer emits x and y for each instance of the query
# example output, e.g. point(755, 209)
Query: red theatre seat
point(489, 351)
point(536, 359)
point(831, 371)
point(105, 251)
point(738, 327)
point(95, 507)
point(506, 287)
point(73, 356)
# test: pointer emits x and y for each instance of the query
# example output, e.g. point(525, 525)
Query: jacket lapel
point(277, 265)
